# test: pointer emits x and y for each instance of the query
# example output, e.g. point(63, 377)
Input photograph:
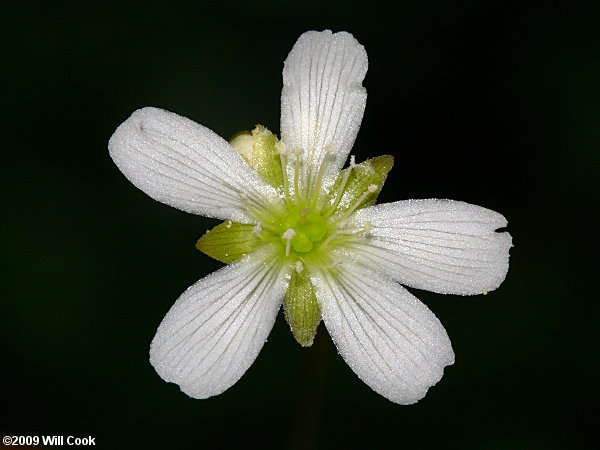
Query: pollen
point(289, 234)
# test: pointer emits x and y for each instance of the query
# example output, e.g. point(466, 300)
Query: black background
point(491, 102)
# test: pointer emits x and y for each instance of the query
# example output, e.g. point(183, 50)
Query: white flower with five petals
point(300, 231)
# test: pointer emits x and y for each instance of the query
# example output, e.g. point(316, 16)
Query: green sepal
point(229, 241)
point(259, 149)
point(301, 309)
point(373, 171)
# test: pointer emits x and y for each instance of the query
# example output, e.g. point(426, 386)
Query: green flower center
point(304, 229)
point(308, 225)
point(311, 221)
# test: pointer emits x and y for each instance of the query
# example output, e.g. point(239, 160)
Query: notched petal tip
point(443, 246)
point(311, 43)
point(134, 126)
point(323, 101)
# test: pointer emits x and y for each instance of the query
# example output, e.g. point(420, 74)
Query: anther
point(299, 266)
point(298, 152)
point(372, 188)
point(228, 224)
point(288, 235)
point(367, 227)
point(281, 148)
point(330, 148)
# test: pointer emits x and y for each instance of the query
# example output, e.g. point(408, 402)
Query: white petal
point(388, 337)
point(183, 164)
point(323, 101)
point(442, 246)
point(215, 330)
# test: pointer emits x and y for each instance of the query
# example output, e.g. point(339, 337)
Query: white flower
point(300, 231)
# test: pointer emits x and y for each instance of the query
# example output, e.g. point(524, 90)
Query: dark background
point(491, 102)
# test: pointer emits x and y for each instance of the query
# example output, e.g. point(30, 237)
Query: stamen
point(255, 208)
point(282, 150)
point(371, 189)
point(255, 212)
point(228, 224)
point(298, 152)
point(344, 236)
point(337, 262)
point(333, 235)
point(329, 239)
point(329, 149)
point(288, 235)
point(258, 231)
point(299, 266)
point(357, 203)
point(340, 191)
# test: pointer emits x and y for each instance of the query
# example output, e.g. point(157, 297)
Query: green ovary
point(309, 226)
